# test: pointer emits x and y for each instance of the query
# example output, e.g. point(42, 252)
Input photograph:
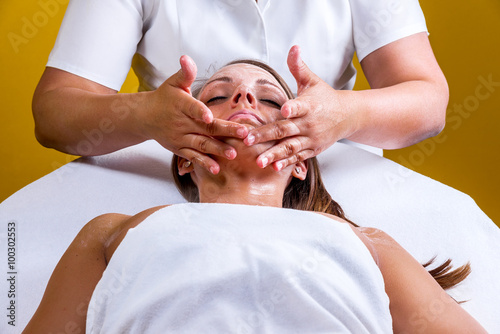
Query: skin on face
point(251, 96)
point(244, 94)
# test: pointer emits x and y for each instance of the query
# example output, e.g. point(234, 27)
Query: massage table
point(428, 218)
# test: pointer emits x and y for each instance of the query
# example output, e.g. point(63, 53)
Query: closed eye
point(272, 103)
point(216, 98)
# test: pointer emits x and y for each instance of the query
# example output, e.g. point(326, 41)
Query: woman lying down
point(263, 251)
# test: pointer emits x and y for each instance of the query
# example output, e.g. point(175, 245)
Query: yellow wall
point(465, 39)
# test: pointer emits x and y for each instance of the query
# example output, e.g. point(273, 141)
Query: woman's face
point(249, 95)
point(245, 94)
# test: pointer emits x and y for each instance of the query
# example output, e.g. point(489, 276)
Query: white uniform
point(99, 38)
point(222, 268)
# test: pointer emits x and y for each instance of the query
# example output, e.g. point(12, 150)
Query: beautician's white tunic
point(99, 38)
point(222, 268)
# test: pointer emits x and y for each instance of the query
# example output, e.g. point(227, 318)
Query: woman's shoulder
point(115, 238)
point(109, 229)
point(376, 240)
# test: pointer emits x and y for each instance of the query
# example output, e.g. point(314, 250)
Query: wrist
point(356, 113)
point(132, 110)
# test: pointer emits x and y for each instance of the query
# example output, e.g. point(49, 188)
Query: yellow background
point(464, 35)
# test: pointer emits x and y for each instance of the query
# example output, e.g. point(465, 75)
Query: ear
point(300, 170)
point(184, 166)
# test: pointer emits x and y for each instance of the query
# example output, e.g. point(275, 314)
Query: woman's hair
point(310, 194)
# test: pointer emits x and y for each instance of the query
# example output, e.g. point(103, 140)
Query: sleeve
point(379, 22)
point(98, 39)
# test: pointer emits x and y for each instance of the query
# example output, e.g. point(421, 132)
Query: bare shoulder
point(380, 244)
point(374, 238)
point(101, 226)
point(371, 237)
point(108, 229)
point(121, 226)
point(338, 219)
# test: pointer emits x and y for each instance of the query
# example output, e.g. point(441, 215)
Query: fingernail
point(279, 166)
point(230, 154)
point(207, 118)
point(213, 170)
point(285, 111)
point(264, 161)
point(241, 132)
point(250, 139)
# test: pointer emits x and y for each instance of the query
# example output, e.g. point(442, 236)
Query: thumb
point(302, 74)
point(185, 77)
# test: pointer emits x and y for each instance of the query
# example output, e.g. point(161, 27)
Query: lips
point(245, 114)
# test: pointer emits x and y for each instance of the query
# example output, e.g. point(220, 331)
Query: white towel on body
point(222, 268)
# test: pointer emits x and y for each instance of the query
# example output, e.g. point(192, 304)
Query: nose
point(243, 95)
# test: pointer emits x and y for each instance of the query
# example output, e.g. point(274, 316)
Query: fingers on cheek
point(287, 161)
point(273, 131)
point(301, 156)
point(279, 165)
point(296, 108)
point(256, 136)
point(287, 110)
point(227, 129)
point(209, 145)
point(208, 163)
point(205, 114)
point(279, 152)
point(241, 132)
point(198, 111)
point(201, 160)
point(250, 139)
point(262, 161)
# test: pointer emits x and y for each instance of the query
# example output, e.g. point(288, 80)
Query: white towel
point(426, 217)
point(221, 268)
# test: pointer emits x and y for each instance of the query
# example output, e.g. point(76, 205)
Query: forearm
point(82, 122)
point(397, 116)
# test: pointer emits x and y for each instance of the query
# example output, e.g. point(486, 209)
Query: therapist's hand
point(186, 126)
point(316, 119)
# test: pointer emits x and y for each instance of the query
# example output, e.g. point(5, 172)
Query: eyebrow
point(223, 79)
point(227, 79)
point(267, 82)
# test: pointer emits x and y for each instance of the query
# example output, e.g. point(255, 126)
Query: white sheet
point(224, 268)
point(425, 216)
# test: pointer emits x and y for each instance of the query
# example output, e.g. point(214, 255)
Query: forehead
point(244, 72)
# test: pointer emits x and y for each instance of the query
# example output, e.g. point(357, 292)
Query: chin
point(249, 151)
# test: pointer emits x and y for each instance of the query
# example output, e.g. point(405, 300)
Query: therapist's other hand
point(186, 126)
point(314, 120)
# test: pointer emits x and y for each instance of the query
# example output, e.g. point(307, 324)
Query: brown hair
point(311, 194)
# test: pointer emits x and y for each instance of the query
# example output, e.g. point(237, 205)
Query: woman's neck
point(242, 181)
point(262, 189)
